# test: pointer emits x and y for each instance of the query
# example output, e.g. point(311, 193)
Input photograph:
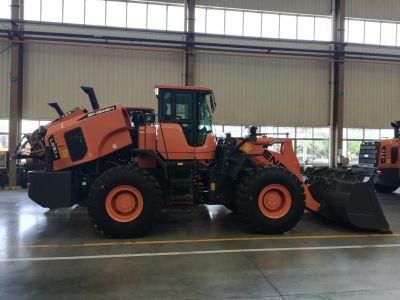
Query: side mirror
point(213, 103)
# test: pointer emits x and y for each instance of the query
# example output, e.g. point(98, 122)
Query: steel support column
point(190, 56)
point(15, 87)
point(338, 82)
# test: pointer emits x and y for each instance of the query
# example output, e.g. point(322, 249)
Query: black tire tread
point(248, 185)
point(129, 170)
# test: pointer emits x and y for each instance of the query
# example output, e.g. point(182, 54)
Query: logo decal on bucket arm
point(272, 159)
point(54, 149)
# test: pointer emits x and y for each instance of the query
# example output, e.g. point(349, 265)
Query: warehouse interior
point(324, 73)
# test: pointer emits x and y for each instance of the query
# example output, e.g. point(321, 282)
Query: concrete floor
point(192, 254)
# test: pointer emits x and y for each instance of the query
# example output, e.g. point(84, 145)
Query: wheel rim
point(124, 203)
point(274, 201)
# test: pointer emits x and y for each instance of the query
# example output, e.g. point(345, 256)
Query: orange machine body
point(108, 129)
point(388, 154)
point(168, 140)
point(285, 158)
point(103, 154)
point(105, 131)
point(384, 158)
point(172, 144)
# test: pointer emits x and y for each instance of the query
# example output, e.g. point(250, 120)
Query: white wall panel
point(372, 95)
point(320, 7)
point(55, 73)
point(266, 91)
point(373, 9)
point(4, 79)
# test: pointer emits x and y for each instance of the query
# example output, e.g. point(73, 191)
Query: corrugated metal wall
point(54, 73)
point(319, 7)
point(265, 91)
point(373, 9)
point(372, 95)
point(4, 79)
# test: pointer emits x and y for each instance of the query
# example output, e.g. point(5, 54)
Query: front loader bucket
point(346, 199)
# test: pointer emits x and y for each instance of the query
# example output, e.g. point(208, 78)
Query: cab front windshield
point(205, 119)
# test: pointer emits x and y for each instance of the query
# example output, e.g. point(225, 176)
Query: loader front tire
point(124, 202)
point(270, 200)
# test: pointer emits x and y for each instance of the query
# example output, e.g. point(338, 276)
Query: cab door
point(177, 122)
point(185, 112)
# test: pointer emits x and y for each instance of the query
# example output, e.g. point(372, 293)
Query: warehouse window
point(388, 34)
point(252, 24)
point(386, 133)
point(4, 126)
point(218, 130)
point(312, 145)
point(160, 16)
point(29, 126)
point(44, 122)
point(305, 28)
point(166, 16)
point(3, 142)
point(156, 16)
point(270, 25)
point(74, 11)
point(95, 12)
point(32, 10)
point(215, 23)
point(52, 10)
point(234, 22)
point(288, 27)
point(323, 29)
point(355, 31)
point(398, 35)
point(372, 33)
point(371, 134)
point(176, 18)
point(235, 131)
point(5, 9)
point(200, 22)
point(263, 24)
point(116, 14)
point(269, 130)
point(304, 144)
point(3, 135)
point(137, 15)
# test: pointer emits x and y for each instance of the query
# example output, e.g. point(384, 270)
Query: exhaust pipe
point(92, 96)
point(396, 127)
point(57, 107)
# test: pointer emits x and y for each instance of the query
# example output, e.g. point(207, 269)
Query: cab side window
point(167, 109)
point(183, 106)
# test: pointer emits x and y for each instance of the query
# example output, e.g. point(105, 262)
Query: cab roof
point(183, 87)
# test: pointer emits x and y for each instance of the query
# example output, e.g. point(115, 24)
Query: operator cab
point(189, 106)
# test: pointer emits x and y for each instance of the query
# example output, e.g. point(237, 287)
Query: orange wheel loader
point(383, 159)
point(126, 167)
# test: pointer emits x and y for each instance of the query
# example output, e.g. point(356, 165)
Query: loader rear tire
point(270, 200)
point(124, 202)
